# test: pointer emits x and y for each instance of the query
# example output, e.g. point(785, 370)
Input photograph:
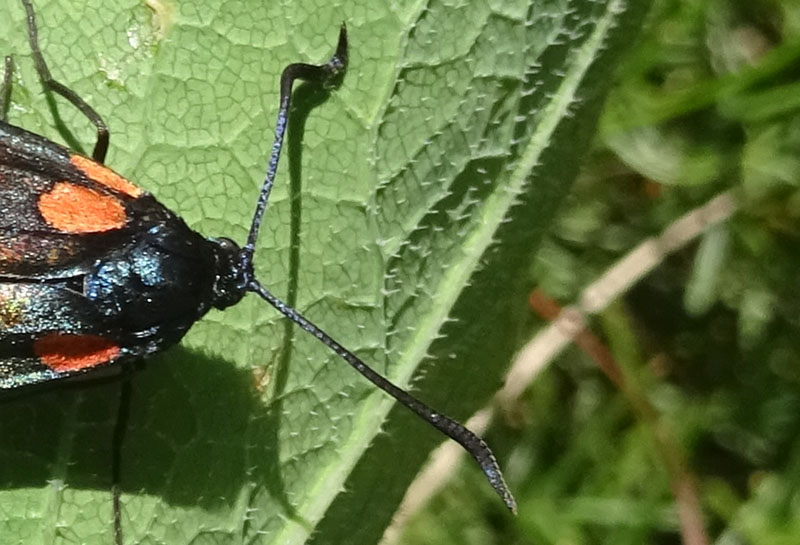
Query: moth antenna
point(473, 444)
point(322, 74)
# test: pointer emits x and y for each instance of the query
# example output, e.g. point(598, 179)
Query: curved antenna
point(316, 73)
point(473, 444)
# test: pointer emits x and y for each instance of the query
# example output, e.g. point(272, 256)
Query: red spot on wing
point(64, 352)
point(72, 208)
point(104, 176)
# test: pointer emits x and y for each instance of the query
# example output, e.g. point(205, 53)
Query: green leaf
point(406, 206)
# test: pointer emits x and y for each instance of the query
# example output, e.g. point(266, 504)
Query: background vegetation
point(708, 100)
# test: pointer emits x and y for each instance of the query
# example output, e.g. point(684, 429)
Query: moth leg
point(5, 87)
point(101, 145)
point(118, 439)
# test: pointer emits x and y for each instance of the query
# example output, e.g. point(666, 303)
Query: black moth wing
point(87, 256)
point(31, 311)
point(30, 247)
